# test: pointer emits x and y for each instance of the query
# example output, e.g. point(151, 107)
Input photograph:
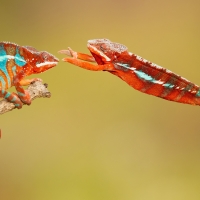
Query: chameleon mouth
point(97, 52)
point(49, 64)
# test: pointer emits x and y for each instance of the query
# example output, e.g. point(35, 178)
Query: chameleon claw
point(66, 52)
point(73, 54)
point(69, 52)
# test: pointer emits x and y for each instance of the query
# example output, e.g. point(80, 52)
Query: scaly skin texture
point(139, 73)
point(17, 62)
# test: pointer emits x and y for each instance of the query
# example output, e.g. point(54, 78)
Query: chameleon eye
point(45, 57)
point(102, 49)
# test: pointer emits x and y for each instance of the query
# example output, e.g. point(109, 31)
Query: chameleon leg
point(89, 66)
point(22, 94)
point(78, 55)
point(83, 64)
point(12, 97)
point(25, 82)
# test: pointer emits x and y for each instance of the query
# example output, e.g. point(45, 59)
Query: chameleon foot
point(25, 82)
point(14, 98)
point(25, 98)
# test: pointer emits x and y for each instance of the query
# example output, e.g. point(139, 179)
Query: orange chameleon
point(139, 73)
point(17, 62)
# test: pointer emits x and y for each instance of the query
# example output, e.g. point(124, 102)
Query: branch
point(36, 90)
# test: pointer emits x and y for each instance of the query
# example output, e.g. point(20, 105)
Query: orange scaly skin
point(17, 62)
point(139, 73)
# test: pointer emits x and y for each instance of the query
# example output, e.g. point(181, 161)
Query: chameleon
point(138, 72)
point(17, 62)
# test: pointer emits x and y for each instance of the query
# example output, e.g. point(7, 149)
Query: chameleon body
point(139, 73)
point(17, 62)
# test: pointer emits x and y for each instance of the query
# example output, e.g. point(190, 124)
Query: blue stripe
point(20, 94)
point(146, 77)
point(14, 70)
point(14, 99)
point(19, 60)
point(7, 95)
point(3, 83)
point(3, 61)
point(2, 91)
point(122, 66)
point(198, 93)
point(168, 85)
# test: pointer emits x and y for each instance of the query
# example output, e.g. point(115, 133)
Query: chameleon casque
point(17, 62)
point(139, 73)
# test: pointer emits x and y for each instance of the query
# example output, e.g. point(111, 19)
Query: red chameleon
point(139, 73)
point(17, 62)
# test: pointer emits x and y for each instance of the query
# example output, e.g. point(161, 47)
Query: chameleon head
point(104, 50)
point(44, 61)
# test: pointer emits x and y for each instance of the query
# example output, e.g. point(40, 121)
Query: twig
point(36, 90)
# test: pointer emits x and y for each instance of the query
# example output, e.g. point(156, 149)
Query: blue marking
point(19, 60)
point(20, 94)
point(7, 95)
point(3, 61)
point(168, 85)
point(14, 99)
point(2, 91)
point(17, 105)
point(14, 70)
point(3, 83)
point(122, 66)
point(2, 51)
point(198, 93)
point(149, 78)
point(145, 76)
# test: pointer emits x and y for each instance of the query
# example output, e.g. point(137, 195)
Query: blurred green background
point(97, 138)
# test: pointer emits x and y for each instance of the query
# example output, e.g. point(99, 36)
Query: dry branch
point(36, 90)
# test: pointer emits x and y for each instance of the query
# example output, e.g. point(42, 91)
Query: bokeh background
point(96, 137)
